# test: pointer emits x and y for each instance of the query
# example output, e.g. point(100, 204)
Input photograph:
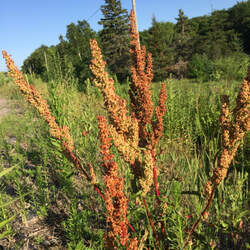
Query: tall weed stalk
point(133, 131)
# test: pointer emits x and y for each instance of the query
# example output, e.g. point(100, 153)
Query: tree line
point(209, 47)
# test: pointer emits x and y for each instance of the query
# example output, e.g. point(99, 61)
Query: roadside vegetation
point(90, 163)
point(46, 203)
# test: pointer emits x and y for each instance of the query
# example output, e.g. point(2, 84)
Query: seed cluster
point(115, 200)
point(35, 99)
point(232, 132)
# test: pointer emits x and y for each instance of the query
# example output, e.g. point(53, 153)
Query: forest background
point(210, 47)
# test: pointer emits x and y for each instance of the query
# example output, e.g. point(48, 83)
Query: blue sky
point(27, 24)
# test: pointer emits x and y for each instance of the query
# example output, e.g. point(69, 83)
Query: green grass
point(49, 197)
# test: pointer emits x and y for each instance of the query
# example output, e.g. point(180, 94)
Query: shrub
point(233, 67)
point(200, 67)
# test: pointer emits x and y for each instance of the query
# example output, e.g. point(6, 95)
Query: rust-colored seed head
point(92, 174)
point(232, 132)
point(135, 136)
point(123, 128)
point(116, 202)
point(225, 121)
point(35, 99)
point(142, 106)
point(140, 92)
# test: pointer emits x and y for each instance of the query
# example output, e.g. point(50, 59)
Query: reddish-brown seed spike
point(123, 128)
point(232, 132)
point(115, 200)
point(36, 100)
point(225, 122)
point(140, 92)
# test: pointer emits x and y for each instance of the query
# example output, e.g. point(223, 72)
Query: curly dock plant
point(115, 200)
point(60, 133)
point(232, 133)
point(117, 210)
point(35, 99)
point(134, 134)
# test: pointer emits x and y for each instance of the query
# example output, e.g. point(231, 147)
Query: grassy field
point(46, 204)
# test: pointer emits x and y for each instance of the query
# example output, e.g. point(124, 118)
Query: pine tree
point(240, 17)
point(160, 38)
point(115, 38)
point(182, 37)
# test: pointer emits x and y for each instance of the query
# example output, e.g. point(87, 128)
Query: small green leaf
point(55, 143)
point(3, 223)
point(242, 214)
point(6, 204)
point(6, 171)
point(225, 225)
point(5, 233)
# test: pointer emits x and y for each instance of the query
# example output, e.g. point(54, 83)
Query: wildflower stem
point(151, 223)
point(155, 177)
point(202, 215)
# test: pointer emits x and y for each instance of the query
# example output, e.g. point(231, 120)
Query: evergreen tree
point(240, 17)
point(181, 24)
point(218, 38)
point(200, 27)
point(115, 38)
point(222, 38)
point(182, 37)
point(158, 42)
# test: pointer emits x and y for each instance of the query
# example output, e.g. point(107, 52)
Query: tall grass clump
point(148, 203)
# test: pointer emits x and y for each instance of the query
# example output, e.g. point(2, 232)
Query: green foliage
point(115, 38)
point(233, 67)
point(68, 61)
point(4, 79)
point(187, 153)
point(240, 17)
point(228, 214)
point(4, 224)
point(182, 37)
point(58, 70)
point(77, 48)
point(5, 228)
point(79, 229)
point(219, 39)
point(158, 40)
point(35, 63)
point(200, 67)
point(219, 36)
point(47, 183)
